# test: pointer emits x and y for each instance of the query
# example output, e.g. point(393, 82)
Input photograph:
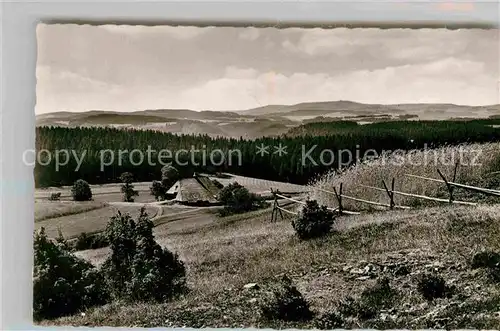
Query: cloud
point(448, 80)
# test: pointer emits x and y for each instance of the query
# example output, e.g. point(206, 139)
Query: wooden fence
point(391, 192)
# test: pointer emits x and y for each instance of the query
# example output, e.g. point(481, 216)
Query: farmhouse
point(198, 190)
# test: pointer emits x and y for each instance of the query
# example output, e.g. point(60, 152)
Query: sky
point(129, 68)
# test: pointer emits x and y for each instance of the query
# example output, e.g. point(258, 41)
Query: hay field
point(478, 161)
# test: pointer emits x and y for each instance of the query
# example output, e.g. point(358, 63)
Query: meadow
point(223, 256)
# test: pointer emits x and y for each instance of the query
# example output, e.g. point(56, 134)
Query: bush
point(81, 191)
point(432, 286)
point(157, 190)
point(485, 259)
point(62, 283)
point(283, 301)
point(127, 188)
point(139, 269)
point(169, 175)
point(372, 300)
point(314, 222)
point(489, 260)
point(237, 199)
point(329, 321)
point(93, 241)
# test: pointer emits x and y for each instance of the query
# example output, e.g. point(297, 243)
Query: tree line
point(298, 162)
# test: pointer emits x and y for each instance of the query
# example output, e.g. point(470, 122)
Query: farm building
point(199, 190)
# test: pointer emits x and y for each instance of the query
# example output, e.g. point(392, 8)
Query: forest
point(287, 165)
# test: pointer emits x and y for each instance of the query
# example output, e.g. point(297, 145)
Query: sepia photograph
point(267, 177)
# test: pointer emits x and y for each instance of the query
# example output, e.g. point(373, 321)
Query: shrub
point(169, 175)
point(55, 196)
point(372, 300)
point(93, 241)
point(432, 286)
point(379, 296)
point(314, 222)
point(485, 259)
point(329, 321)
point(283, 301)
point(489, 260)
point(157, 190)
point(127, 188)
point(81, 191)
point(62, 283)
point(139, 268)
point(237, 199)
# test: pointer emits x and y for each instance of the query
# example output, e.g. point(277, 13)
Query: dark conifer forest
point(299, 162)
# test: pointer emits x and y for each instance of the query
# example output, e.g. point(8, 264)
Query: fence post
point(274, 205)
point(276, 209)
point(338, 195)
point(390, 193)
point(448, 185)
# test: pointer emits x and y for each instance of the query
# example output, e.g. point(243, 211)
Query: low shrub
point(485, 259)
point(315, 221)
point(372, 300)
point(139, 269)
point(489, 260)
point(432, 287)
point(93, 241)
point(329, 321)
point(283, 301)
point(81, 191)
point(62, 283)
point(237, 199)
point(127, 187)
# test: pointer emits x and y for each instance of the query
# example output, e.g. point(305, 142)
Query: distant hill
point(269, 120)
point(344, 108)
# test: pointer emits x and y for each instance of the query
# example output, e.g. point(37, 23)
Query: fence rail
point(391, 192)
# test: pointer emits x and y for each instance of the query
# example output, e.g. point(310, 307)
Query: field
point(479, 164)
point(224, 256)
point(74, 218)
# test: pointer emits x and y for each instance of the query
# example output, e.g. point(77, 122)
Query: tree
point(127, 188)
point(237, 199)
point(314, 222)
point(157, 190)
point(63, 283)
point(81, 191)
point(139, 269)
point(169, 175)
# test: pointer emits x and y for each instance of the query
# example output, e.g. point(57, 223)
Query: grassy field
point(223, 256)
point(261, 186)
point(90, 221)
point(477, 163)
point(45, 209)
point(106, 192)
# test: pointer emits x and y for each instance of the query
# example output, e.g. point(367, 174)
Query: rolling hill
point(270, 120)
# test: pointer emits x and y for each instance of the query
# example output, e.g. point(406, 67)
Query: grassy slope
point(477, 161)
point(222, 256)
point(50, 209)
point(91, 221)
